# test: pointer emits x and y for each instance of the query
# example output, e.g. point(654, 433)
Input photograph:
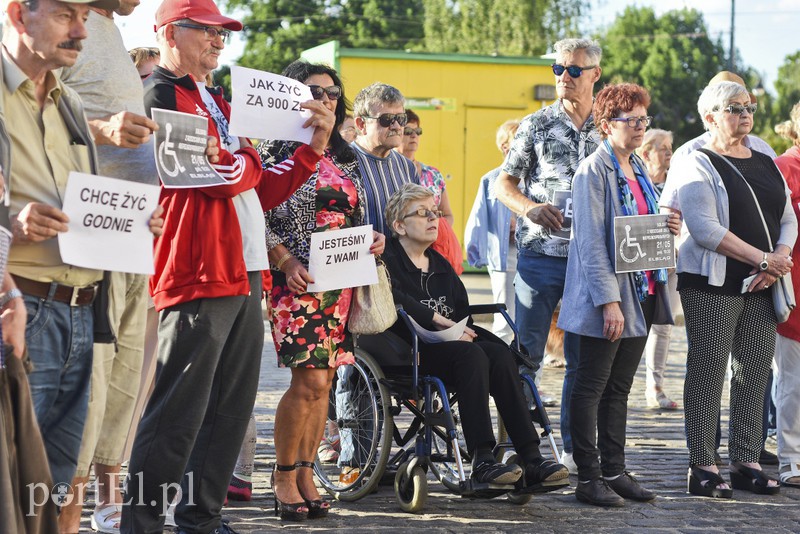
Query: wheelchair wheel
point(517, 498)
point(365, 424)
point(411, 488)
point(443, 464)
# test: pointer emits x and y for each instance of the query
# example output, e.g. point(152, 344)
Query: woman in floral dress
point(309, 329)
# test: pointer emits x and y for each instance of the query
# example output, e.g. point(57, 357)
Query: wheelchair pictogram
point(629, 243)
point(167, 148)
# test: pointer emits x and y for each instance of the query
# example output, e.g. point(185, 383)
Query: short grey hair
point(593, 51)
point(161, 33)
point(374, 95)
point(399, 201)
point(653, 140)
point(715, 97)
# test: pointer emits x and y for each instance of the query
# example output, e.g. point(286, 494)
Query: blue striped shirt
point(382, 177)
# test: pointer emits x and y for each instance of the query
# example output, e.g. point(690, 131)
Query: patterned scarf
point(629, 208)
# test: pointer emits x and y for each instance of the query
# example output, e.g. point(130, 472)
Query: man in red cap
point(207, 288)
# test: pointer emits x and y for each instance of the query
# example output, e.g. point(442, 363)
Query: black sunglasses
point(334, 92)
point(424, 212)
point(574, 71)
point(386, 119)
point(211, 33)
point(410, 131)
point(738, 109)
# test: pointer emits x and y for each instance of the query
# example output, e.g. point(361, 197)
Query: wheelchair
point(396, 425)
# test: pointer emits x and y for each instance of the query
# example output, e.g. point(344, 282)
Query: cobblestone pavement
point(656, 454)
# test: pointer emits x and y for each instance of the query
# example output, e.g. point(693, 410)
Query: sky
point(765, 30)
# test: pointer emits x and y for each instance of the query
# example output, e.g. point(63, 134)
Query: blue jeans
point(59, 339)
point(538, 286)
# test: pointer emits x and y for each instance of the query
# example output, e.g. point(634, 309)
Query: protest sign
point(180, 150)
point(109, 224)
point(643, 242)
point(267, 106)
point(562, 200)
point(341, 258)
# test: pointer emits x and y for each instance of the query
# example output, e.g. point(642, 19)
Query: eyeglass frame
point(393, 117)
point(326, 91)
point(409, 131)
point(577, 70)
point(749, 108)
point(424, 212)
point(222, 33)
point(647, 120)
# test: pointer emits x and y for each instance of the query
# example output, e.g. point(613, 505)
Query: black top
point(745, 222)
point(421, 294)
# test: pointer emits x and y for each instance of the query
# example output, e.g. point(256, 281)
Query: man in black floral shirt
point(548, 147)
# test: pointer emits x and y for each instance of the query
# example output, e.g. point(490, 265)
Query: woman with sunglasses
point(611, 312)
point(309, 329)
point(429, 176)
point(726, 268)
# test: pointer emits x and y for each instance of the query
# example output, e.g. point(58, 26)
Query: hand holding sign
point(341, 258)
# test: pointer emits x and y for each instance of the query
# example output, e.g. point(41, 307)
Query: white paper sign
point(267, 106)
point(453, 333)
point(108, 224)
point(180, 150)
point(341, 258)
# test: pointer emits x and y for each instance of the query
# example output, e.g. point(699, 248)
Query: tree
point(277, 31)
point(502, 27)
point(672, 56)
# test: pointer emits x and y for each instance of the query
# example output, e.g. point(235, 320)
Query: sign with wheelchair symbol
point(180, 150)
point(562, 200)
point(643, 243)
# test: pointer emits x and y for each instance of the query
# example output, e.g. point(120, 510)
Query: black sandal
point(706, 484)
point(318, 508)
point(751, 479)
point(297, 511)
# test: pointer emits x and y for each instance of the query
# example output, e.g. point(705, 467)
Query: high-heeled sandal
point(711, 488)
point(751, 479)
point(317, 508)
point(297, 511)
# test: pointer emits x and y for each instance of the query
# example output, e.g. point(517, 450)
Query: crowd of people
point(92, 340)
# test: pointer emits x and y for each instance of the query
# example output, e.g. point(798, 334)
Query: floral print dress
point(310, 329)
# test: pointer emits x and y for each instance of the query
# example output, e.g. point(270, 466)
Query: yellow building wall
point(461, 142)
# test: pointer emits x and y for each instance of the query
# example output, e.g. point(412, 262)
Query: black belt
point(74, 296)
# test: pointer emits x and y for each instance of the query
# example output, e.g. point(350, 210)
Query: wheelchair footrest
point(479, 490)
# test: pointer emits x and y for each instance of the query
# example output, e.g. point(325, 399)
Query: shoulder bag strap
point(712, 154)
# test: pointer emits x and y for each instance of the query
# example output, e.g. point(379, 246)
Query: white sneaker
point(568, 462)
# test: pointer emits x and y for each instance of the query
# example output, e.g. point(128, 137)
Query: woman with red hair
point(611, 312)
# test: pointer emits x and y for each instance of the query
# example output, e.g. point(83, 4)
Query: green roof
point(331, 53)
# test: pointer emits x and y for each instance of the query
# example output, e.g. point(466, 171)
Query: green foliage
point(671, 55)
point(277, 31)
point(502, 27)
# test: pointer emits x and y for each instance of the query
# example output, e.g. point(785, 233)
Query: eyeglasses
point(574, 71)
point(411, 131)
point(424, 212)
point(634, 122)
point(334, 92)
point(386, 119)
point(738, 109)
point(211, 33)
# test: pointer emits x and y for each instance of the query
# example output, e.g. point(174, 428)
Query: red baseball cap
point(202, 11)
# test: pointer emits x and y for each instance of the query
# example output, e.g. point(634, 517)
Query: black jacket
point(441, 292)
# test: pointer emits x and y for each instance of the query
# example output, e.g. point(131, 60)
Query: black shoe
point(544, 476)
point(707, 484)
point(628, 487)
point(767, 458)
point(495, 473)
point(598, 492)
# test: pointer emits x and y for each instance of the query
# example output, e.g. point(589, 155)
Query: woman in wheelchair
point(424, 283)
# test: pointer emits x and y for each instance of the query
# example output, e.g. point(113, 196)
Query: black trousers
point(194, 423)
point(476, 370)
point(599, 409)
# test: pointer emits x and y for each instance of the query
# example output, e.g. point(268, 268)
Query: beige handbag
point(372, 308)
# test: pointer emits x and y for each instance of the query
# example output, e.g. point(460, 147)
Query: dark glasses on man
point(574, 71)
point(411, 131)
point(386, 119)
point(211, 33)
point(738, 109)
point(634, 122)
point(334, 92)
point(422, 212)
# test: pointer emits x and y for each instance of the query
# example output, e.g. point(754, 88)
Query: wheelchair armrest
point(478, 309)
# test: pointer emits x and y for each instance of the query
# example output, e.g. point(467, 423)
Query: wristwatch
point(8, 296)
point(764, 265)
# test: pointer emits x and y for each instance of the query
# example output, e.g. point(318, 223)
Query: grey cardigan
point(704, 205)
point(591, 281)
